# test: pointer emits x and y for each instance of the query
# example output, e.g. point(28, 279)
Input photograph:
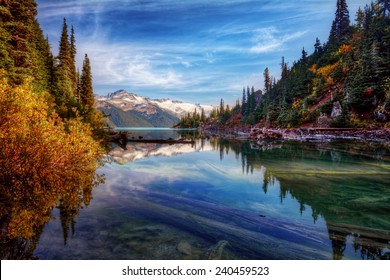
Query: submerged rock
point(215, 252)
point(184, 247)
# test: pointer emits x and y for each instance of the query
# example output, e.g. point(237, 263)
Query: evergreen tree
point(65, 54)
point(384, 7)
point(64, 88)
point(243, 107)
point(78, 82)
point(222, 107)
point(340, 31)
point(283, 83)
point(73, 52)
point(317, 47)
point(23, 49)
point(247, 106)
point(267, 81)
point(304, 56)
point(6, 60)
point(203, 115)
point(86, 89)
point(360, 18)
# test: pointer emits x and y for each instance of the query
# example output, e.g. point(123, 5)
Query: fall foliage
point(50, 140)
point(43, 158)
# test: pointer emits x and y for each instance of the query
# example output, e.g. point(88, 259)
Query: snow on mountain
point(179, 108)
point(130, 101)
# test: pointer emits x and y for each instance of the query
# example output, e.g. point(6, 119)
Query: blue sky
point(196, 51)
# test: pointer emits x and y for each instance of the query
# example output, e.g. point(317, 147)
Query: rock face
point(337, 110)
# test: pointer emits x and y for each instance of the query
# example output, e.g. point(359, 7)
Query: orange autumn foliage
point(43, 159)
point(345, 49)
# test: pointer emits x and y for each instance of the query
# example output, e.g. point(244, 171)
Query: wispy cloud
point(271, 39)
point(122, 64)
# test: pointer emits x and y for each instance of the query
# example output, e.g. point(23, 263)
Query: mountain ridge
point(126, 109)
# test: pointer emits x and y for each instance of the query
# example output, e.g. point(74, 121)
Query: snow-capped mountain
point(129, 109)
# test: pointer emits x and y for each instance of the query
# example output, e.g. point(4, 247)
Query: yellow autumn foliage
point(43, 159)
point(328, 69)
point(326, 72)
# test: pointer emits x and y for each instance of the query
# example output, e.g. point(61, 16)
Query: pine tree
point(317, 47)
point(203, 116)
point(222, 107)
point(243, 107)
point(86, 89)
point(78, 88)
point(43, 64)
point(340, 31)
point(22, 46)
point(359, 18)
point(267, 81)
point(283, 82)
point(65, 55)
point(304, 56)
point(73, 51)
point(342, 20)
point(6, 60)
point(385, 7)
point(64, 89)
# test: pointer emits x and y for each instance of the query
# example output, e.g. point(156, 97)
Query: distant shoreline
point(302, 134)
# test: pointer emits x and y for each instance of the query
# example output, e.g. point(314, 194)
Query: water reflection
point(345, 184)
point(214, 199)
point(137, 151)
point(23, 217)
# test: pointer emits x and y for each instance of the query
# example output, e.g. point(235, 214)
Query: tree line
point(25, 53)
point(350, 69)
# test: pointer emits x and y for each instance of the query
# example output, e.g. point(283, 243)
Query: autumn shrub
point(43, 158)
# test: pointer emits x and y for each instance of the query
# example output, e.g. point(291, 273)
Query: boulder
point(337, 110)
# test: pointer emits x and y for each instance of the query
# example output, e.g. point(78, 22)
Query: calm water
point(232, 200)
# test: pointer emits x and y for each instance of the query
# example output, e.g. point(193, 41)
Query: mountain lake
point(230, 199)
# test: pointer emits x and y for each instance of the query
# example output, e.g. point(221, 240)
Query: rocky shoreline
point(257, 134)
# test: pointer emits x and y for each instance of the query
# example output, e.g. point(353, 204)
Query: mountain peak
point(119, 94)
point(149, 108)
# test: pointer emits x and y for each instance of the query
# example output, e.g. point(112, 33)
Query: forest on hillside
point(345, 82)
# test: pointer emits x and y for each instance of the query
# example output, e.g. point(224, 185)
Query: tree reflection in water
point(322, 176)
point(345, 184)
point(22, 218)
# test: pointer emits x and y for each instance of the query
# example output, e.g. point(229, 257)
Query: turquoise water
point(221, 199)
